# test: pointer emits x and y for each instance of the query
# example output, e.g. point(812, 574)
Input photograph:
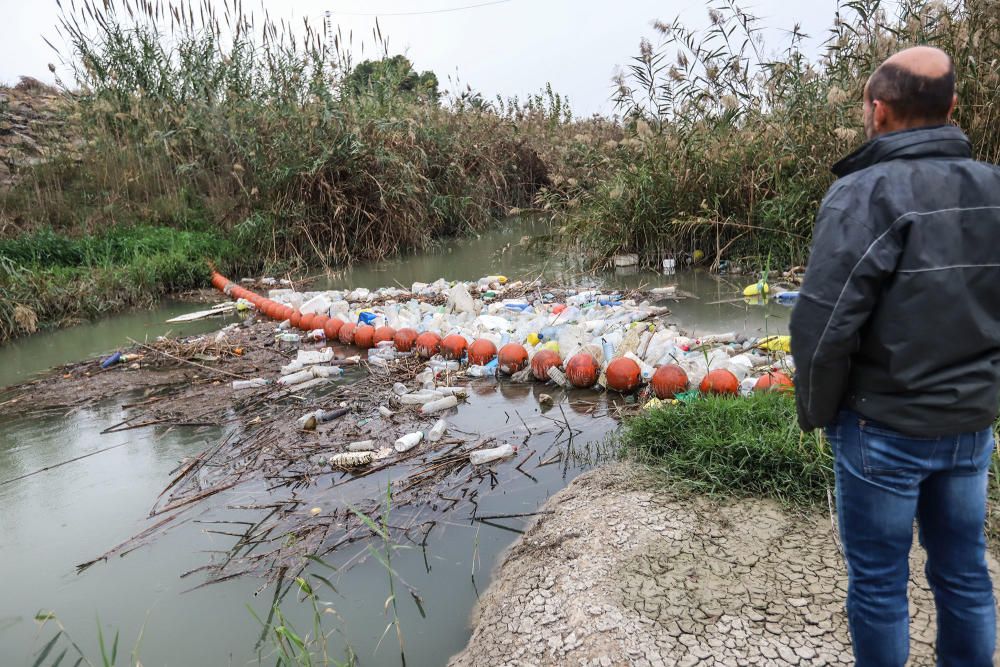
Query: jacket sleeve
point(849, 262)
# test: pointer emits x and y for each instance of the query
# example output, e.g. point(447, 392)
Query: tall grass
point(729, 149)
point(200, 118)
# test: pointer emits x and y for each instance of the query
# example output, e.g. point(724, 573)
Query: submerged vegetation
point(248, 140)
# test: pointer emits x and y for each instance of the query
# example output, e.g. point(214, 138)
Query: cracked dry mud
point(622, 576)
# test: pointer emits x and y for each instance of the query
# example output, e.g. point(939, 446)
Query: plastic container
point(249, 384)
point(438, 430)
point(481, 456)
point(296, 378)
point(439, 405)
point(408, 441)
point(326, 371)
point(362, 446)
point(420, 398)
point(787, 298)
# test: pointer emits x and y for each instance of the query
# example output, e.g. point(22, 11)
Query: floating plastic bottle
point(307, 357)
point(439, 405)
point(362, 446)
point(787, 298)
point(295, 378)
point(481, 456)
point(385, 412)
point(249, 384)
point(438, 430)
point(408, 441)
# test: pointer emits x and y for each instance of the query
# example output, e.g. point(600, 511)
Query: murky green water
point(55, 519)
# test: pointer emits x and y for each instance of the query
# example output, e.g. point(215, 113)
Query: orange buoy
point(542, 362)
point(307, 323)
point(332, 328)
point(428, 344)
point(346, 333)
point(383, 334)
point(285, 313)
point(623, 375)
point(364, 336)
point(295, 319)
point(512, 358)
point(405, 339)
point(721, 383)
point(774, 381)
point(319, 322)
point(453, 347)
point(558, 308)
point(481, 352)
point(582, 370)
point(669, 380)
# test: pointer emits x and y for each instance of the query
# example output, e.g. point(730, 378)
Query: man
point(896, 336)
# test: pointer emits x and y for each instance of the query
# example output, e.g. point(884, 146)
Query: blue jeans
point(884, 480)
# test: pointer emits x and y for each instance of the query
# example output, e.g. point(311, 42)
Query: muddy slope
point(621, 576)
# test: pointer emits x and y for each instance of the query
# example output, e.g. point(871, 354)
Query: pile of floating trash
point(575, 338)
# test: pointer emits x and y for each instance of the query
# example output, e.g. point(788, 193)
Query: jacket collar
point(940, 141)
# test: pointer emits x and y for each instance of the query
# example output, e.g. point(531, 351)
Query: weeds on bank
point(749, 447)
point(744, 448)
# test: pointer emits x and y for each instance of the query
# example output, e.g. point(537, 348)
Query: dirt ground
point(621, 576)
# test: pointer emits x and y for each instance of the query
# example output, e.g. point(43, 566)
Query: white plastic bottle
point(481, 456)
point(408, 441)
point(438, 430)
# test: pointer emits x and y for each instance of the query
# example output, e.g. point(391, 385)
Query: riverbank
point(614, 573)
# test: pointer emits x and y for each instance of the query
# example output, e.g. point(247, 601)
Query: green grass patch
point(49, 279)
point(734, 447)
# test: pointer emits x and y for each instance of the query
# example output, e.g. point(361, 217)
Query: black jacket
point(899, 314)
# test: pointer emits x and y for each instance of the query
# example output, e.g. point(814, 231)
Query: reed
point(728, 150)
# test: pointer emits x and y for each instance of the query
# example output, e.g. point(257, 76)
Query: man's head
point(914, 88)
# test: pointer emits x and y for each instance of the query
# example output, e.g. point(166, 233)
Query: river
point(53, 520)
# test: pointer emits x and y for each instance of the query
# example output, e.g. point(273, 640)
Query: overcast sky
point(510, 48)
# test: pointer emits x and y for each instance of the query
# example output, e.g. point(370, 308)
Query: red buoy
point(623, 375)
point(669, 380)
point(383, 334)
point(542, 362)
point(332, 328)
point(405, 339)
point(307, 322)
point(295, 319)
point(364, 336)
point(346, 333)
point(582, 370)
point(512, 358)
point(319, 322)
point(481, 352)
point(428, 344)
point(453, 347)
point(774, 381)
point(721, 383)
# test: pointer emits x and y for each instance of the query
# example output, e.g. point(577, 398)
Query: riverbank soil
point(616, 574)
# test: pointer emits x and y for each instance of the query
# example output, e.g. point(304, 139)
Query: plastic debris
point(408, 441)
point(352, 459)
point(481, 456)
point(239, 385)
point(439, 405)
point(438, 430)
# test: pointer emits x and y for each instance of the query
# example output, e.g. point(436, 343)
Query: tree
point(390, 77)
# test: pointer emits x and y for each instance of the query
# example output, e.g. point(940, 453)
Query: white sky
point(512, 48)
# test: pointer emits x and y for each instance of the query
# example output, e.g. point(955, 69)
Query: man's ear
point(954, 103)
point(881, 115)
